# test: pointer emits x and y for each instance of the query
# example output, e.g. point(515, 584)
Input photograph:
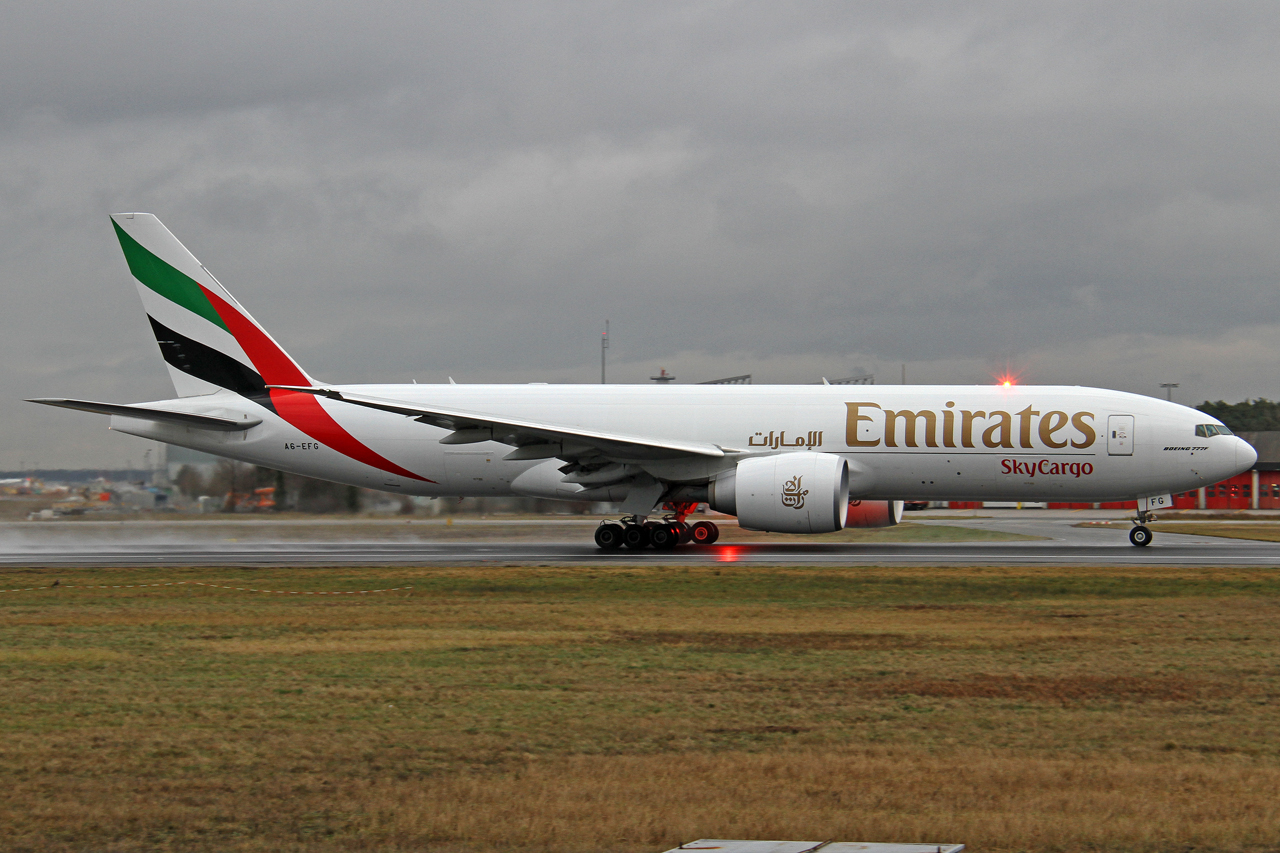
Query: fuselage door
point(1120, 435)
point(471, 472)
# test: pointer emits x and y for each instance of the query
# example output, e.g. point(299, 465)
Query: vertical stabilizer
point(207, 339)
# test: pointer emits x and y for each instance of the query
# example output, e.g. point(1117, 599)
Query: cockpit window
point(1224, 431)
point(1209, 430)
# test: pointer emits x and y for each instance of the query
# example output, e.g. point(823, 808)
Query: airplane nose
point(1245, 454)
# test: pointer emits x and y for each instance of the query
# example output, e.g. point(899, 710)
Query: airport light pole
point(604, 347)
point(1168, 387)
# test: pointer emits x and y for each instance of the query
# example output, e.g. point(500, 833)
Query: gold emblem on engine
point(792, 494)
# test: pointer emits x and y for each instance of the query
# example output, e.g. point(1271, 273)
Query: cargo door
point(1120, 435)
point(472, 472)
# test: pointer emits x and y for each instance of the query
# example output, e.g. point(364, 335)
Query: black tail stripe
point(205, 362)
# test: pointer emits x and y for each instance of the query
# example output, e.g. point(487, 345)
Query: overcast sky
point(1084, 193)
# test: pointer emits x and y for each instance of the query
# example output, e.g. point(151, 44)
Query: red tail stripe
point(305, 412)
point(271, 362)
point(302, 410)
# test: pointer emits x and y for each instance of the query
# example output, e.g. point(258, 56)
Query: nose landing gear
point(1140, 535)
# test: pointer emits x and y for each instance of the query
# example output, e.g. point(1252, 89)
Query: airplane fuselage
point(920, 442)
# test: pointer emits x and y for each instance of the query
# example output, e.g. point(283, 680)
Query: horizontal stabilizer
point(470, 425)
point(162, 415)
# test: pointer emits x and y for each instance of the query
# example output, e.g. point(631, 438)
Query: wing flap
point(470, 426)
point(188, 419)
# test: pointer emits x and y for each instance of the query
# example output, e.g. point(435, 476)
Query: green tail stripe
point(165, 280)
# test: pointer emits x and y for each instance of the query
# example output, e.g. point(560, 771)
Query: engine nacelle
point(801, 492)
point(873, 513)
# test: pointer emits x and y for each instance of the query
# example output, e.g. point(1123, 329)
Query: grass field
point(586, 709)
point(1264, 531)
point(1244, 527)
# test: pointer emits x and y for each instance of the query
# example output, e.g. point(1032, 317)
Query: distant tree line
point(1250, 416)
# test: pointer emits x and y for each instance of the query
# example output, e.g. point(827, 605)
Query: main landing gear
point(1140, 535)
point(636, 533)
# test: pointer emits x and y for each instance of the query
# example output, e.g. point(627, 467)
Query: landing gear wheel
point(686, 532)
point(609, 537)
point(635, 537)
point(664, 537)
point(704, 533)
point(1140, 535)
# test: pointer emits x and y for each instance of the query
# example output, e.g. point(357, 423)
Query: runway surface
point(569, 542)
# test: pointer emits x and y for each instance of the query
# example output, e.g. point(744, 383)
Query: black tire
point(664, 537)
point(704, 533)
point(686, 532)
point(1140, 536)
point(609, 537)
point(635, 537)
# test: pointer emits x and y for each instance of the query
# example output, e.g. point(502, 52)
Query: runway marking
point(921, 557)
point(202, 583)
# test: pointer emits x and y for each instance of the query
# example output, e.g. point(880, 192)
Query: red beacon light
point(1007, 379)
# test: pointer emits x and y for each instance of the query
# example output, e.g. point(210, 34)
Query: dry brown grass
point(396, 640)
point(576, 709)
point(1069, 689)
point(58, 656)
point(587, 803)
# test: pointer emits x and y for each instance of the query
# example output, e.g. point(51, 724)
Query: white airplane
point(786, 459)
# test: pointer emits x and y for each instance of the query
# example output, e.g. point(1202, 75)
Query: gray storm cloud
point(1082, 192)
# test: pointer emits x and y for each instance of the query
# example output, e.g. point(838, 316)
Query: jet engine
point(873, 514)
point(800, 492)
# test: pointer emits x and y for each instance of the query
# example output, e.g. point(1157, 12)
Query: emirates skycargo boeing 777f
point(788, 459)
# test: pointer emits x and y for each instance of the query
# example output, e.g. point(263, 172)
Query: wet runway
point(569, 542)
point(355, 553)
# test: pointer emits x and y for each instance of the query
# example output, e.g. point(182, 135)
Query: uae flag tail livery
point(211, 344)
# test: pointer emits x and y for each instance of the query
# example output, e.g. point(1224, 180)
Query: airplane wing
point(532, 439)
point(144, 413)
